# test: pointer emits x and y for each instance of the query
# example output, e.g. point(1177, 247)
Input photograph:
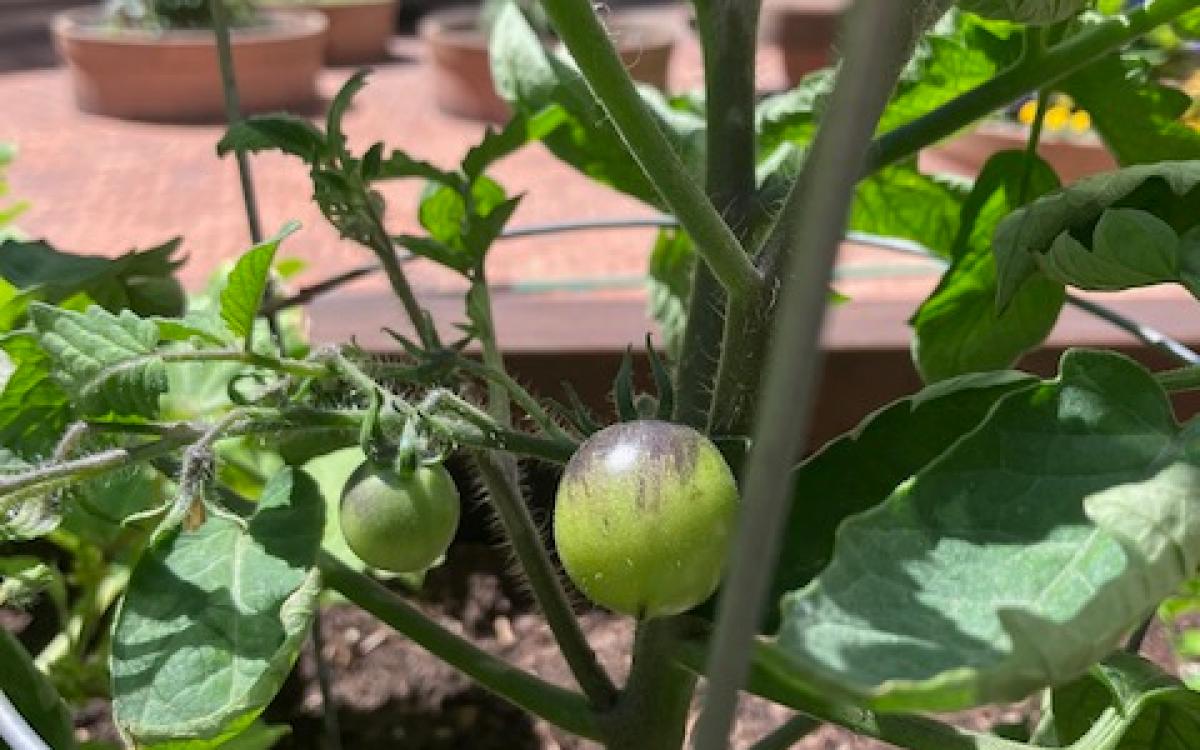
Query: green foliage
point(539, 84)
point(1033, 12)
point(958, 328)
point(1017, 558)
point(33, 696)
point(1113, 231)
point(1137, 116)
point(247, 284)
point(141, 281)
point(105, 362)
point(1157, 711)
point(672, 261)
point(896, 442)
point(214, 619)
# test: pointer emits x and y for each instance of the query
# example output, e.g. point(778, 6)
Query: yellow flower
point(1081, 121)
point(1027, 112)
point(1057, 118)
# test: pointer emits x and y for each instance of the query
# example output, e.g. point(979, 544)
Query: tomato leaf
point(858, 470)
point(243, 292)
point(105, 362)
point(1159, 712)
point(1019, 557)
point(33, 696)
point(901, 202)
point(958, 328)
point(34, 408)
point(670, 281)
point(1070, 236)
point(214, 619)
point(126, 282)
point(1137, 115)
point(279, 132)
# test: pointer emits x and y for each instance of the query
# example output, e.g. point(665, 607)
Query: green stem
point(652, 711)
point(96, 463)
point(385, 251)
point(233, 114)
point(730, 32)
point(297, 367)
point(543, 580)
point(877, 39)
point(493, 359)
point(787, 734)
point(1030, 74)
point(585, 37)
point(499, 474)
point(560, 707)
point(522, 397)
point(1031, 145)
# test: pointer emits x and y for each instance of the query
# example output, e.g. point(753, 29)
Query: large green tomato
point(644, 516)
point(396, 522)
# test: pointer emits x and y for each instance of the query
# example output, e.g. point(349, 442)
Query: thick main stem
point(877, 41)
point(585, 37)
point(729, 29)
point(652, 711)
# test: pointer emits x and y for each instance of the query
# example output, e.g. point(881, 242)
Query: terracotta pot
point(462, 70)
point(358, 31)
point(1072, 157)
point(804, 31)
point(174, 76)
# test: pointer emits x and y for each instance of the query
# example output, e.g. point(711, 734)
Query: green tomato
point(399, 523)
point(644, 516)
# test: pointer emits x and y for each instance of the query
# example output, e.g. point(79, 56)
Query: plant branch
point(560, 707)
point(877, 39)
point(787, 734)
point(519, 395)
point(588, 41)
point(91, 465)
point(543, 580)
point(1037, 72)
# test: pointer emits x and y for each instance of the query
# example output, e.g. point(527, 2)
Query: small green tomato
point(399, 523)
point(644, 516)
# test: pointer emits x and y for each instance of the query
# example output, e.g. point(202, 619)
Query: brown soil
point(391, 693)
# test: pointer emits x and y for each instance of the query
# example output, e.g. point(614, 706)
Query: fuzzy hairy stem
point(585, 37)
point(729, 29)
point(543, 580)
point(560, 707)
point(877, 39)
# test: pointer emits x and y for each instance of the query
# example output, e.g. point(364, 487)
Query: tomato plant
point(991, 537)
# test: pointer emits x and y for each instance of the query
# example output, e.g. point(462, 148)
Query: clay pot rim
point(458, 26)
point(85, 25)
